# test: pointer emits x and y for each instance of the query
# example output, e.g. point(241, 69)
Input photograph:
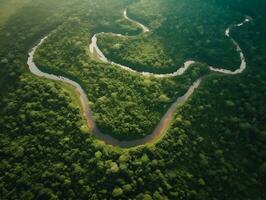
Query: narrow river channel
point(166, 120)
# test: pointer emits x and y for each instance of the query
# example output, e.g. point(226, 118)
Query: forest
point(175, 37)
point(126, 111)
point(214, 147)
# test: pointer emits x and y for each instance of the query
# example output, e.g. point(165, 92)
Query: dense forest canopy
point(180, 31)
point(214, 147)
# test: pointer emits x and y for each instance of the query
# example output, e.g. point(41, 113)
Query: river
point(166, 120)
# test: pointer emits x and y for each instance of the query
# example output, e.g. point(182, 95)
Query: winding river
point(166, 120)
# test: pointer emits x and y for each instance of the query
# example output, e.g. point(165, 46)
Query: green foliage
point(117, 192)
point(125, 105)
point(215, 148)
point(263, 169)
point(180, 31)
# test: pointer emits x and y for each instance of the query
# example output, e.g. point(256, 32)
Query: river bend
point(166, 120)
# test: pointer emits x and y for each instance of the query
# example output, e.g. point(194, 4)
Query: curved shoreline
point(165, 121)
point(94, 49)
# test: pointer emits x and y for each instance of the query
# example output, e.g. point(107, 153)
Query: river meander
point(166, 120)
